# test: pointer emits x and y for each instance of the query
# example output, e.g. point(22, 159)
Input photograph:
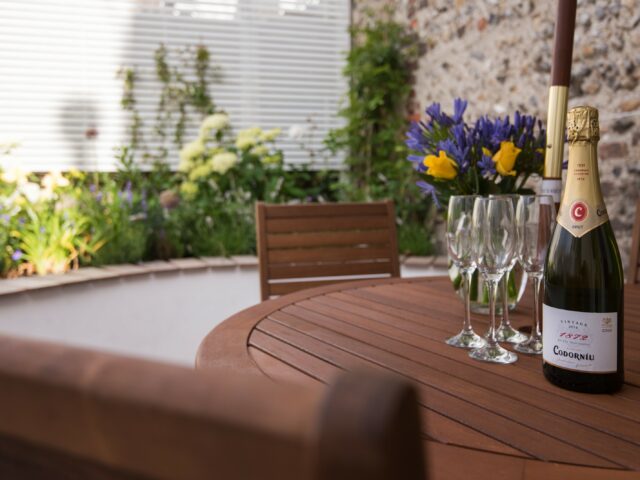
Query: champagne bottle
point(583, 280)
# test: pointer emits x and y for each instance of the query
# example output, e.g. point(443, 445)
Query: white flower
point(250, 132)
point(190, 151)
point(31, 191)
point(270, 135)
point(248, 138)
point(244, 143)
point(259, 150)
point(16, 175)
point(215, 122)
point(297, 132)
point(222, 162)
point(53, 180)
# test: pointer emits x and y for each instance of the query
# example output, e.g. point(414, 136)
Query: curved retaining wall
point(158, 310)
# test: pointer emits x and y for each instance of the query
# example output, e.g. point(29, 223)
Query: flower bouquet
point(492, 156)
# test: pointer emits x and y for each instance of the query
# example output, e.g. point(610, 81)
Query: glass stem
point(505, 299)
point(492, 286)
point(537, 281)
point(466, 291)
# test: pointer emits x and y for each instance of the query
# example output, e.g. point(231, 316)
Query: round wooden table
point(479, 419)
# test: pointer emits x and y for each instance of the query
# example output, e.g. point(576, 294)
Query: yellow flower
point(486, 152)
point(505, 158)
point(441, 166)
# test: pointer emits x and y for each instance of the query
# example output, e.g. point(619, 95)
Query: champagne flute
point(460, 247)
point(495, 243)
point(505, 331)
point(535, 219)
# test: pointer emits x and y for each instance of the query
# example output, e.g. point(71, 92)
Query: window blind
point(280, 62)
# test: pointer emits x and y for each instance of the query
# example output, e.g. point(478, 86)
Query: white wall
point(162, 316)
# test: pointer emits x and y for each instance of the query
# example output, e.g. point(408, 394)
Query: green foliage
point(115, 221)
point(380, 68)
point(184, 91)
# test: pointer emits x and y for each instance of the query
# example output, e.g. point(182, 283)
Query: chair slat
point(326, 224)
point(335, 270)
point(289, 287)
point(328, 254)
point(316, 239)
point(326, 210)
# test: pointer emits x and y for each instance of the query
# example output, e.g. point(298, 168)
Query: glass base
point(506, 333)
point(493, 354)
point(466, 339)
point(533, 346)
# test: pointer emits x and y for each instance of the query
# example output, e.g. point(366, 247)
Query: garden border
point(109, 272)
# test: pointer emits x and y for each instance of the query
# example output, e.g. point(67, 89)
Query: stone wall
point(497, 55)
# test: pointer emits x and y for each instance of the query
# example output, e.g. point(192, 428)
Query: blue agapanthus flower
point(459, 107)
point(487, 166)
point(416, 139)
point(429, 189)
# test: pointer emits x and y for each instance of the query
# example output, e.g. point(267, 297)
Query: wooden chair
point(67, 413)
point(633, 275)
point(302, 246)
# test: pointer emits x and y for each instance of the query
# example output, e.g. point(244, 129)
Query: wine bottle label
point(582, 208)
point(580, 341)
point(553, 187)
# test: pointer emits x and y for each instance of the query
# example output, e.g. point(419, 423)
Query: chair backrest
point(633, 274)
point(67, 413)
point(302, 246)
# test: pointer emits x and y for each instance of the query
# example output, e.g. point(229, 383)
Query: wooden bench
point(67, 413)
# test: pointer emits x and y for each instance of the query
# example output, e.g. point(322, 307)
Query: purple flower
point(459, 106)
point(437, 116)
point(17, 255)
point(416, 160)
point(5, 218)
point(487, 166)
point(429, 189)
point(93, 187)
point(415, 137)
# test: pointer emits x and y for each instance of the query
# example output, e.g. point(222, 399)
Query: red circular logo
point(579, 211)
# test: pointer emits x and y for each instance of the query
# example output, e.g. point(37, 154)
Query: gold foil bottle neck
point(582, 125)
